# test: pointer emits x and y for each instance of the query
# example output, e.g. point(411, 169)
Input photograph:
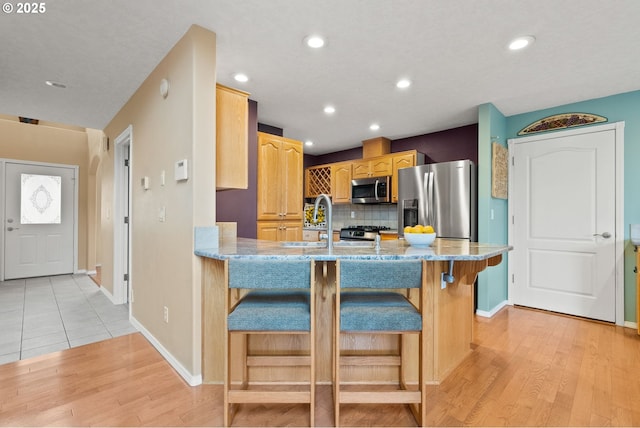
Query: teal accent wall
point(492, 282)
point(616, 108)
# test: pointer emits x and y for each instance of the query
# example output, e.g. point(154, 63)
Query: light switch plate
point(181, 170)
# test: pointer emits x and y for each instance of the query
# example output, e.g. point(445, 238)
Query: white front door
point(563, 193)
point(39, 220)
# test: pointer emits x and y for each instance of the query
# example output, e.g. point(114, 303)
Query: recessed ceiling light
point(308, 143)
point(403, 83)
point(521, 42)
point(240, 77)
point(329, 109)
point(374, 127)
point(55, 84)
point(314, 42)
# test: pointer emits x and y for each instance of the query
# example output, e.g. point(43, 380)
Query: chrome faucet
point(328, 215)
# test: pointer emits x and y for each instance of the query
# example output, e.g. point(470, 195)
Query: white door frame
point(619, 216)
point(123, 142)
point(3, 162)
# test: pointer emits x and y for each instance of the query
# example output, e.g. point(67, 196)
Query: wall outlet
point(166, 314)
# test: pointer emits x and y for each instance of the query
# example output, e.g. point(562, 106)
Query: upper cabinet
point(335, 178)
point(376, 167)
point(232, 116)
point(400, 161)
point(341, 182)
point(280, 168)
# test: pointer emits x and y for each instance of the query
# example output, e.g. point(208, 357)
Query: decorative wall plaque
point(499, 171)
point(559, 121)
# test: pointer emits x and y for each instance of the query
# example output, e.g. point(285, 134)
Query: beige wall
point(53, 143)
point(164, 270)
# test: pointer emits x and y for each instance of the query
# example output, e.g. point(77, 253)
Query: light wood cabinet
point(317, 180)
point(400, 161)
point(341, 182)
point(279, 190)
point(232, 116)
point(335, 178)
point(280, 230)
point(376, 167)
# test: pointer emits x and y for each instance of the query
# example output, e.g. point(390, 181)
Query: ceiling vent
point(29, 120)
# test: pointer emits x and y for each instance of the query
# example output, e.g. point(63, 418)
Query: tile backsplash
point(362, 214)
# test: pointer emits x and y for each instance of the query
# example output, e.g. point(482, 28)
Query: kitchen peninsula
point(450, 308)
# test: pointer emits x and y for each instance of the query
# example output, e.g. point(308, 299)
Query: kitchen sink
point(323, 244)
point(354, 244)
point(304, 244)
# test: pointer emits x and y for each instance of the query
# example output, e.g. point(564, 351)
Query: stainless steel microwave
point(373, 190)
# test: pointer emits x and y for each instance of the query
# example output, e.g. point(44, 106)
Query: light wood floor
point(528, 368)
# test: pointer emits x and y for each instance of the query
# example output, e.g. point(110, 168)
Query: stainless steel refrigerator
point(442, 195)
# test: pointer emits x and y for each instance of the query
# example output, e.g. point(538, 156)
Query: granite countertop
point(442, 249)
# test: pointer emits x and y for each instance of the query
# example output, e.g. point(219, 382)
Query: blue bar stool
point(269, 297)
point(368, 301)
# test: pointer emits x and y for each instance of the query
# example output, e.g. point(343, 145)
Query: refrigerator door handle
point(425, 203)
point(431, 218)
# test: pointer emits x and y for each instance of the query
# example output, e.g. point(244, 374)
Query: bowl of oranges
point(419, 235)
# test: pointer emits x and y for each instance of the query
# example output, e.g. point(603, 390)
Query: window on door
point(40, 199)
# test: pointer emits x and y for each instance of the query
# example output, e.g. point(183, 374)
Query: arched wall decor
point(560, 121)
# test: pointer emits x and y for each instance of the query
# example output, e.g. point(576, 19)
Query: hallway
point(48, 314)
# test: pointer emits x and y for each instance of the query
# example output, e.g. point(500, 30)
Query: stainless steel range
point(361, 233)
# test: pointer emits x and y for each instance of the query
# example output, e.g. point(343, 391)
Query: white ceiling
point(453, 51)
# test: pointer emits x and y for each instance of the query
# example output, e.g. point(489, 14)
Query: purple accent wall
point(273, 130)
point(443, 146)
point(241, 205)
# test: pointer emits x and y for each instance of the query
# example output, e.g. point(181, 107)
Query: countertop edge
point(447, 250)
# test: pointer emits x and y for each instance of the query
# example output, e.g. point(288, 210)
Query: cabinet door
point(341, 183)
point(232, 116)
point(269, 184)
point(268, 230)
point(292, 179)
point(381, 166)
point(291, 231)
point(360, 169)
point(399, 162)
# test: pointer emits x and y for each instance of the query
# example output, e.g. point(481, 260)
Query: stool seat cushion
point(272, 311)
point(377, 311)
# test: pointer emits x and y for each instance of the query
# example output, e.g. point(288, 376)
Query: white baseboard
point(108, 294)
point(182, 371)
point(629, 324)
point(493, 311)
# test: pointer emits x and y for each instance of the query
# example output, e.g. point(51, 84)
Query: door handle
point(12, 228)
point(604, 234)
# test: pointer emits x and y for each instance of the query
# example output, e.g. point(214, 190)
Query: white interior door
point(39, 220)
point(564, 223)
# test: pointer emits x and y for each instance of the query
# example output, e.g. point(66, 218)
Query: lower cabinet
point(280, 230)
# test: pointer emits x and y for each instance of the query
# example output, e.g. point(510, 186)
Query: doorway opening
point(122, 281)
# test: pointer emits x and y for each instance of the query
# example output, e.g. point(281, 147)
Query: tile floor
point(48, 314)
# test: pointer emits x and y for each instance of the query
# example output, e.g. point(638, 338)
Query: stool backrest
point(269, 274)
point(380, 273)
